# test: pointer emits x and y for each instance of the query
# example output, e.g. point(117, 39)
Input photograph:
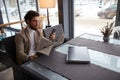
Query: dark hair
point(30, 14)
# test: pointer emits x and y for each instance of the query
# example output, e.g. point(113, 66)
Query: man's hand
point(52, 37)
point(32, 57)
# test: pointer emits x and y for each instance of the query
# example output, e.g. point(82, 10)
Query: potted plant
point(107, 31)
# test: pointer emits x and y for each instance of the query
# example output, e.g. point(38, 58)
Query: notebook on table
point(77, 55)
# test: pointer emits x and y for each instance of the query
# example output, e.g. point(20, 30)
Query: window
point(91, 15)
point(53, 15)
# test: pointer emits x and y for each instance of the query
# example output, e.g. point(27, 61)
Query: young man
point(28, 40)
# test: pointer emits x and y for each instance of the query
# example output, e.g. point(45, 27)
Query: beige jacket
point(22, 41)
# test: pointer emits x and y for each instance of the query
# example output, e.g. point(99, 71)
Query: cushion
point(7, 74)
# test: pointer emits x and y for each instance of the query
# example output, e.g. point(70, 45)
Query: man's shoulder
point(21, 33)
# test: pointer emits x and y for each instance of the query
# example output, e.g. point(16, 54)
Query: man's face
point(34, 23)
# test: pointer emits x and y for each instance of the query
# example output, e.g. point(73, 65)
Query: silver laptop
point(77, 55)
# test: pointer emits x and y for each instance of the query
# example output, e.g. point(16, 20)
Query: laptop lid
point(77, 55)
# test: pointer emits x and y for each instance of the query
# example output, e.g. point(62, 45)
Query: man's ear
point(28, 21)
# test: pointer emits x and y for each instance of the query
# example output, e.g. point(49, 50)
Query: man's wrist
point(27, 58)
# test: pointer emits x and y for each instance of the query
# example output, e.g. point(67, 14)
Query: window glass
point(12, 13)
point(91, 15)
point(2, 7)
point(53, 15)
point(26, 5)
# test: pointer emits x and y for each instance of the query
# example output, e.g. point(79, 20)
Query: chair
point(10, 48)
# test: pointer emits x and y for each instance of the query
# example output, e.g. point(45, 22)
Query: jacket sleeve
point(20, 54)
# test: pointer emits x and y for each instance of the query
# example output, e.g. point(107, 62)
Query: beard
point(32, 27)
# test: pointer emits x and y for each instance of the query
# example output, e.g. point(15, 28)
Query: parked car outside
point(109, 12)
